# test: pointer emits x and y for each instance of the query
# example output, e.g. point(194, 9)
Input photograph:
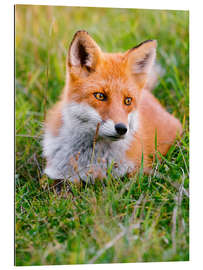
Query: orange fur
point(54, 118)
point(154, 121)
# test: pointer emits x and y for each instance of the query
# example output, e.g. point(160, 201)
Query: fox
point(106, 116)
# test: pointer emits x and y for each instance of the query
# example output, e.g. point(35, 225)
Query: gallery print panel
point(102, 135)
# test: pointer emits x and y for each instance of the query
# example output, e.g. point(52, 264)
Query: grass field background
point(119, 220)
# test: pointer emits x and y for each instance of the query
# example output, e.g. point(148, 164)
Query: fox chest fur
point(106, 119)
point(79, 152)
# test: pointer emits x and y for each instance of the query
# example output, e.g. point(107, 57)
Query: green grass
point(119, 220)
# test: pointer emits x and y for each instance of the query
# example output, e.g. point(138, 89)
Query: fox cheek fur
point(106, 91)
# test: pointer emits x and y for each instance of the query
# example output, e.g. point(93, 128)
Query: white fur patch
point(76, 138)
point(107, 128)
point(133, 121)
point(80, 113)
point(75, 57)
point(144, 65)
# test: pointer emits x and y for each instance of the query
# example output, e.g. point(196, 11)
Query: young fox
point(106, 117)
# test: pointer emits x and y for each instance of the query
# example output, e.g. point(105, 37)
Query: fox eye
point(100, 96)
point(128, 101)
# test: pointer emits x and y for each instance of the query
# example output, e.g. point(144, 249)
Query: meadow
point(138, 219)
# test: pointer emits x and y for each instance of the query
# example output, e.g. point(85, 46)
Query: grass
point(119, 220)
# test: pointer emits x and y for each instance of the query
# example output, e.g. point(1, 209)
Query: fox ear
point(141, 59)
point(83, 55)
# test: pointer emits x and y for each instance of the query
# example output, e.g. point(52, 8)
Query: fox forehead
point(112, 70)
point(111, 77)
point(109, 85)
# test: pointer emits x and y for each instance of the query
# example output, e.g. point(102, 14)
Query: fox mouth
point(116, 138)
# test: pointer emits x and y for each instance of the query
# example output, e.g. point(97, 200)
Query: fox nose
point(121, 128)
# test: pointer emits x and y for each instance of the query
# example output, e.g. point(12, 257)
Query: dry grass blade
point(93, 151)
point(94, 142)
point(137, 205)
point(174, 184)
point(178, 200)
point(186, 167)
point(113, 241)
point(27, 136)
point(173, 233)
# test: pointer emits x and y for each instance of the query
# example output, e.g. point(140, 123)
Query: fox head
point(105, 87)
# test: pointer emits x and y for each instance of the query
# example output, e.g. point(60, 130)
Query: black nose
point(121, 128)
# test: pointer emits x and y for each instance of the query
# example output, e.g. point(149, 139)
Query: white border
point(196, 147)
point(147, 4)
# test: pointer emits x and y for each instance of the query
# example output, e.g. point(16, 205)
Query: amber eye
point(100, 96)
point(128, 101)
